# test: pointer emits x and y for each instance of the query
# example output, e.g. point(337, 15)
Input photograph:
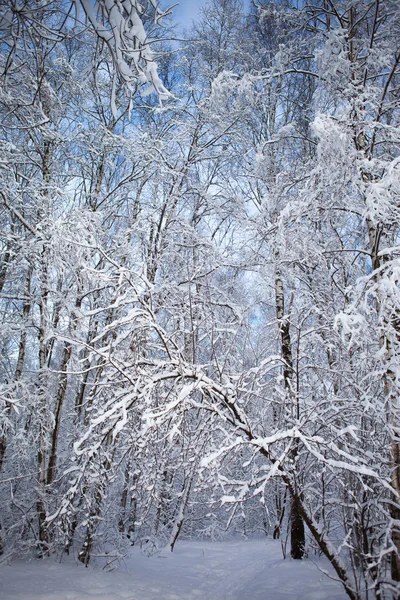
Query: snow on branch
point(120, 25)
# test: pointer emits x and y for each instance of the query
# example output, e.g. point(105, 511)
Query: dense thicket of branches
point(199, 302)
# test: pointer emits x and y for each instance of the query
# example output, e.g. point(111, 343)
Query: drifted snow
point(236, 570)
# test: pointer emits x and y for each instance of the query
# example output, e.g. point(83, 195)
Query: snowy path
point(251, 570)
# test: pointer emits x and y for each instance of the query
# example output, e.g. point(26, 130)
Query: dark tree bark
point(297, 533)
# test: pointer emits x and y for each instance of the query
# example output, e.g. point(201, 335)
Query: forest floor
point(236, 570)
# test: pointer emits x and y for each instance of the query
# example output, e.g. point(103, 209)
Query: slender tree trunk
point(20, 360)
point(85, 553)
point(280, 513)
point(127, 519)
point(4, 265)
point(42, 414)
point(95, 507)
point(297, 532)
point(62, 388)
point(177, 528)
point(124, 498)
point(160, 502)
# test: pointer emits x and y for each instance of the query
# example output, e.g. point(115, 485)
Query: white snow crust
point(235, 570)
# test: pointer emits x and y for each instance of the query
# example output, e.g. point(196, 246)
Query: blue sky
point(186, 11)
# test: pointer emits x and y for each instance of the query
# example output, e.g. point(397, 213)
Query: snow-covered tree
point(199, 302)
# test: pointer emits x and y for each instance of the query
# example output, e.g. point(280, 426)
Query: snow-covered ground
point(237, 570)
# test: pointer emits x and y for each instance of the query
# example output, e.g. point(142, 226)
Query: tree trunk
point(62, 388)
point(20, 362)
point(177, 528)
point(297, 533)
point(42, 416)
